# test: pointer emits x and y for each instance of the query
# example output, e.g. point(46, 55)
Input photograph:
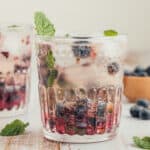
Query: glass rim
point(15, 26)
point(76, 38)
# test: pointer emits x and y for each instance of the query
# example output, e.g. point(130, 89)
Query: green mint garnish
point(52, 77)
point(67, 35)
point(50, 60)
point(13, 26)
point(110, 33)
point(43, 25)
point(16, 127)
point(142, 143)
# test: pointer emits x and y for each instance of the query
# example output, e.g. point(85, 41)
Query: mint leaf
point(67, 35)
point(43, 25)
point(110, 33)
point(16, 127)
point(13, 26)
point(52, 77)
point(50, 60)
point(142, 143)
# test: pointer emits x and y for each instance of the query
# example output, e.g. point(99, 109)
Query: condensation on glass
point(80, 87)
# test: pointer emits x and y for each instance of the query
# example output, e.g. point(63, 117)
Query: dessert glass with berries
point(80, 86)
point(15, 58)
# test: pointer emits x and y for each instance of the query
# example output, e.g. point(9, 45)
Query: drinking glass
point(15, 58)
point(80, 86)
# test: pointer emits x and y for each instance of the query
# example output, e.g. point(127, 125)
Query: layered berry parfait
point(80, 86)
point(15, 56)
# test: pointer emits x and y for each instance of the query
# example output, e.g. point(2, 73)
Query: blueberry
point(81, 49)
point(2, 84)
point(142, 74)
point(138, 69)
point(101, 108)
point(80, 112)
point(92, 121)
point(127, 73)
point(113, 68)
point(17, 68)
point(59, 110)
point(134, 74)
point(144, 114)
point(135, 110)
point(148, 70)
point(143, 103)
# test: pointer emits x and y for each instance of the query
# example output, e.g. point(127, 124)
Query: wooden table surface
point(33, 138)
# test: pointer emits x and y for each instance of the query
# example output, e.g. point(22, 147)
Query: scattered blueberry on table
point(141, 110)
point(143, 103)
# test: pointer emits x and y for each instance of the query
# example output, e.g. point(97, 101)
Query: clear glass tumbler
point(80, 87)
point(15, 57)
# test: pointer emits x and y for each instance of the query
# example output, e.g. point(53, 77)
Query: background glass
point(15, 58)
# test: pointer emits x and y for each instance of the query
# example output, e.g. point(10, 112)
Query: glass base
point(13, 112)
point(79, 139)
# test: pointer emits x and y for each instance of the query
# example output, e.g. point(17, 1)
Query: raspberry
point(90, 130)
point(6, 54)
point(60, 125)
point(100, 128)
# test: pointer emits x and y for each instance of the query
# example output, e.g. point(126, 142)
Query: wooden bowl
point(136, 87)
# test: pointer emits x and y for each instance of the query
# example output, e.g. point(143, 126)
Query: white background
point(126, 16)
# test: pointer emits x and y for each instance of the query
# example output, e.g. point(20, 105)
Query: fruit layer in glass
point(15, 57)
point(80, 87)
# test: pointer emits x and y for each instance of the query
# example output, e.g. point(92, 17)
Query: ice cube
point(64, 56)
point(9, 88)
point(110, 49)
point(83, 76)
point(12, 43)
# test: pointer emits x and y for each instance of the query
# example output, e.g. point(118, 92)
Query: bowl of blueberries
point(137, 89)
point(137, 84)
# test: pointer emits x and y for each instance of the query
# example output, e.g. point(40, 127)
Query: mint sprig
point(110, 33)
point(13, 26)
point(50, 60)
point(16, 127)
point(43, 25)
point(52, 77)
point(142, 142)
